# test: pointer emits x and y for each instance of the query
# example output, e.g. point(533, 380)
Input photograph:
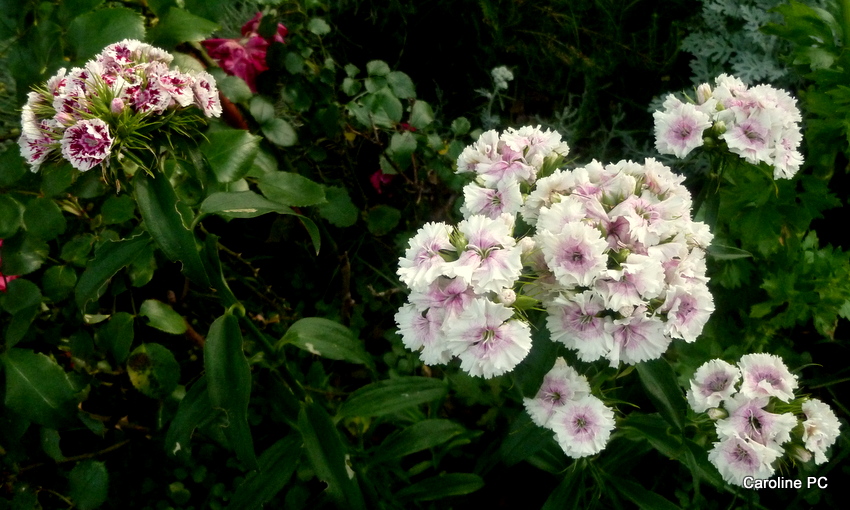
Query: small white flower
point(738, 458)
point(712, 383)
point(560, 385)
point(820, 429)
point(583, 427)
point(765, 375)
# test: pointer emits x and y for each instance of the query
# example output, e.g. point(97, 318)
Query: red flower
point(379, 179)
point(245, 57)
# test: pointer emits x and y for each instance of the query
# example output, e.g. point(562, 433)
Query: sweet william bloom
point(206, 94)
point(820, 429)
point(422, 263)
point(561, 385)
point(86, 144)
point(583, 427)
point(749, 420)
point(737, 458)
point(679, 128)
point(713, 383)
point(489, 202)
point(578, 323)
point(765, 375)
point(244, 57)
point(576, 255)
point(487, 341)
point(423, 332)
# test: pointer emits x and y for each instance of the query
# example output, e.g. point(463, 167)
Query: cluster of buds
point(113, 105)
point(759, 124)
point(758, 417)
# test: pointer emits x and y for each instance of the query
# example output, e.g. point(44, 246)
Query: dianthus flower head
point(765, 375)
point(737, 458)
point(820, 428)
point(679, 128)
point(713, 382)
point(561, 384)
point(582, 427)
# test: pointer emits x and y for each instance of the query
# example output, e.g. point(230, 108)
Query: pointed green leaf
point(167, 225)
point(58, 282)
point(421, 115)
point(229, 383)
point(291, 189)
point(415, 438)
point(443, 486)
point(230, 153)
point(91, 32)
point(327, 455)
point(660, 383)
point(108, 260)
point(195, 411)
point(280, 132)
point(89, 484)
point(392, 395)
point(637, 494)
point(241, 204)
point(162, 317)
point(326, 338)
point(37, 388)
point(401, 85)
point(116, 336)
point(276, 467)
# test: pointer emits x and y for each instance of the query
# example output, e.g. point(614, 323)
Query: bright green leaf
point(659, 381)
point(178, 26)
point(230, 153)
point(162, 317)
point(326, 338)
point(93, 31)
point(421, 115)
point(377, 68)
point(280, 132)
point(37, 388)
point(241, 204)
point(291, 189)
point(392, 395)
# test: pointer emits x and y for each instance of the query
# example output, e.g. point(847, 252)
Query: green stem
point(276, 358)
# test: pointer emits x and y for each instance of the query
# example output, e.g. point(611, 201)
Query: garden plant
point(308, 254)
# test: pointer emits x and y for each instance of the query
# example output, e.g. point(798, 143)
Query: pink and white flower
point(422, 331)
point(86, 144)
point(576, 255)
point(422, 262)
point(679, 128)
point(206, 94)
point(749, 420)
point(637, 338)
point(737, 458)
point(765, 375)
point(820, 429)
point(713, 382)
point(583, 427)
point(560, 385)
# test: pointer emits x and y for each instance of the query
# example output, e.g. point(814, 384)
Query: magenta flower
point(86, 144)
point(4, 279)
point(244, 57)
point(379, 179)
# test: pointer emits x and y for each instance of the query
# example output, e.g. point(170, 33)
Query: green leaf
point(23, 254)
point(118, 209)
point(58, 282)
point(381, 219)
point(162, 216)
point(326, 338)
point(351, 70)
point(460, 126)
point(293, 62)
point(392, 395)
point(93, 31)
point(637, 494)
point(660, 383)
point(387, 108)
point(20, 294)
point(108, 260)
point(377, 68)
point(37, 389)
point(421, 115)
point(50, 443)
point(276, 467)
point(11, 216)
point(524, 439)
point(162, 317)
point(318, 26)
point(261, 109)
point(229, 383)
point(195, 411)
point(57, 178)
point(153, 370)
point(178, 26)
point(351, 86)
point(241, 204)
point(291, 189)
point(327, 455)
point(568, 493)
point(280, 132)
point(89, 484)
point(653, 429)
point(339, 210)
point(415, 438)
point(77, 250)
point(43, 219)
point(232, 87)
point(230, 153)
point(402, 146)
point(442, 486)
point(116, 336)
point(401, 85)
point(721, 252)
point(13, 167)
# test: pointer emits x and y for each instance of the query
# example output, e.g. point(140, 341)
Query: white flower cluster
point(564, 405)
point(501, 76)
point(619, 264)
point(759, 124)
point(78, 114)
point(751, 436)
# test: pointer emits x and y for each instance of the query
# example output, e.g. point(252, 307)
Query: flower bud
point(799, 453)
point(117, 105)
point(507, 297)
point(703, 93)
point(717, 413)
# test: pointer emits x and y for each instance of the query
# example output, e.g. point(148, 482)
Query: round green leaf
point(153, 370)
point(11, 216)
point(23, 254)
point(20, 294)
point(421, 115)
point(339, 209)
point(261, 109)
point(76, 251)
point(326, 338)
point(93, 31)
point(58, 282)
point(43, 219)
point(318, 26)
point(13, 167)
point(460, 126)
point(241, 204)
point(291, 189)
point(230, 153)
point(380, 220)
point(89, 484)
point(162, 317)
point(116, 336)
point(401, 85)
point(179, 25)
point(280, 132)
point(377, 68)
